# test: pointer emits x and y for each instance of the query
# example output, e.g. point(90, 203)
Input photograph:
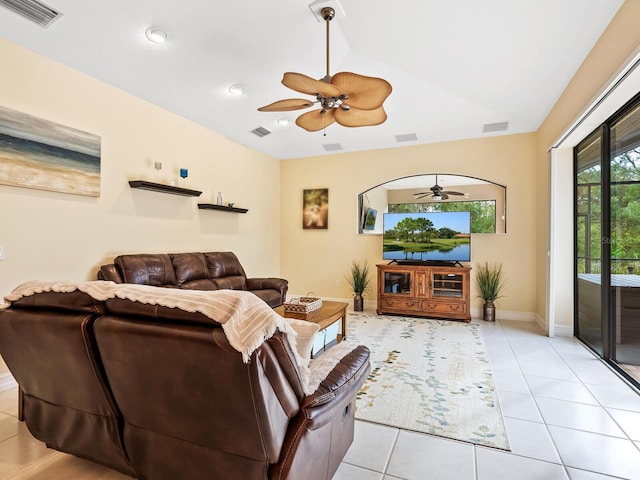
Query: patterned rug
point(430, 376)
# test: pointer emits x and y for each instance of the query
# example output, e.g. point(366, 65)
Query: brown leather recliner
point(47, 342)
point(160, 394)
point(196, 271)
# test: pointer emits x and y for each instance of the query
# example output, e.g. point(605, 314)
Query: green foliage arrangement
point(490, 281)
point(359, 279)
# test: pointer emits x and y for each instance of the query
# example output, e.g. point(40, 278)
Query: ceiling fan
point(436, 193)
point(350, 99)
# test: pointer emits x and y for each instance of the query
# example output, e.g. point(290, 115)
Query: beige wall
point(313, 260)
point(619, 41)
point(55, 236)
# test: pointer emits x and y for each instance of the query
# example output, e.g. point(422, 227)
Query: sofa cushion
point(224, 264)
point(192, 272)
point(147, 269)
point(231, 283)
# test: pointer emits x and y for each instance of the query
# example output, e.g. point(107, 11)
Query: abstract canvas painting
point(44, 155)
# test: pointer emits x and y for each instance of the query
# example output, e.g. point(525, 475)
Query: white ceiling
point(454, 65)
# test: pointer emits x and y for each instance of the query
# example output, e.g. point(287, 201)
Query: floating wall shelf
point(159, 187)
point(213, 206)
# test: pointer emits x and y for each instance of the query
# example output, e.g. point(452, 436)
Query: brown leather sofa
point(198, 271)
point(159, 394)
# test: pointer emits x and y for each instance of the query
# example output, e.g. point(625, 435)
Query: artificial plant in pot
point(359, 281)
point(490, 284)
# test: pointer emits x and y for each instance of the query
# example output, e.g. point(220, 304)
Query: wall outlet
point(1, 252)
point(337, 283)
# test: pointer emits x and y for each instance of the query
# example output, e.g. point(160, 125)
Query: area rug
point(430, 376)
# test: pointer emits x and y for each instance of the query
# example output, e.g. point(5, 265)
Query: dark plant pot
point(489, 311)
point(358, 303)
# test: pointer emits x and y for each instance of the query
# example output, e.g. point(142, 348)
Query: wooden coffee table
point(330, 312)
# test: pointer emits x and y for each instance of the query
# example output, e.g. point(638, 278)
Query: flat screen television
point(432, 237)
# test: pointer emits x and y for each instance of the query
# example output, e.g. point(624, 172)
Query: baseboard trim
point(563, 331)
point(7, 382)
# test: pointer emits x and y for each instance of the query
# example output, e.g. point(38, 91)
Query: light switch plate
point(1, 252)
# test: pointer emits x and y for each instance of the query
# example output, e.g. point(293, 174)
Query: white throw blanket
point(247, 320)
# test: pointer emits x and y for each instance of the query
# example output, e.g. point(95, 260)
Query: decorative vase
point(358, 303)
point(489, 311)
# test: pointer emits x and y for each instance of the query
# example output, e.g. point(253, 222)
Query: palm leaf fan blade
point(365, 93)
point(286, 105)
point(316, 120)
point(304, 84)
point(360, 118)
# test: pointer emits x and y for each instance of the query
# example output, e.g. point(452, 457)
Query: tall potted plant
point(490, 284)
point(359, 281)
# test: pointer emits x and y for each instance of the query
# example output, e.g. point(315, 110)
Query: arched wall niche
point(374, 202)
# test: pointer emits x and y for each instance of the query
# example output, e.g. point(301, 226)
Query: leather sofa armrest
point(352, 369)
point(110, 272)
point(279, 284)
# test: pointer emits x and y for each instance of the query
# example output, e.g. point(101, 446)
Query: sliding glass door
point(625, 240)
point(607, 235)
point(588, 160)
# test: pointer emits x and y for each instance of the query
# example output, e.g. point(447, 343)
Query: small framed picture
point(315, 208)
point(370, 219)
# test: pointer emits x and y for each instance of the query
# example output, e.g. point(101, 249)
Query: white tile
point(504, 362)
point(569, 345)
point(591, 418)
point(519, 405)
point(9, 402)
point(597, 374)
point(497, 465)
point(371, 447)
point(576, 474)
point(530, 439)
point(541, 366)
point(417, 456)
point(9, 426)
point(560, 389)
point(621, 397)
point(351, 472)
point(597, 453)
point(510, 382)
point(628, 420)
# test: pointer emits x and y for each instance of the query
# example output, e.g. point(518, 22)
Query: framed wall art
point(37, 153)
point(315, 208)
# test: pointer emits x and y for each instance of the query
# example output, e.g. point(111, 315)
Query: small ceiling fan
point(436, 193)
point(347, 98)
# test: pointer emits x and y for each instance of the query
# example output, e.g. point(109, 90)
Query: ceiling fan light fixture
point(236, 89)
point(283, 122)
point(156, 35)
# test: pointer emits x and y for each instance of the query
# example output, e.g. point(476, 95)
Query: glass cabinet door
point(447, 285)
point(398, 282)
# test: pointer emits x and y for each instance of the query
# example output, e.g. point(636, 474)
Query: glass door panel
point(589, 327)
point(625, 242)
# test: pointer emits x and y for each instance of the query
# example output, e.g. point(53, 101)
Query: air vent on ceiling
point(32, 10)
point(407, 137)
point(261, 131)
point(332, 147)
point(495, 127)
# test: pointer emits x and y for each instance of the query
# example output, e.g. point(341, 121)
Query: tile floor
point(567, 416)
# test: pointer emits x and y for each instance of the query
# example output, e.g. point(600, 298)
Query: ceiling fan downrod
point(327, 13)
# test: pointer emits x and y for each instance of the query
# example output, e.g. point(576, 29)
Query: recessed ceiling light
point(283, 121)
point(236, 89)
point(156, 35)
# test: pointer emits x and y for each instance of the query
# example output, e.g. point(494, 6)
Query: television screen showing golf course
point(427, 236)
